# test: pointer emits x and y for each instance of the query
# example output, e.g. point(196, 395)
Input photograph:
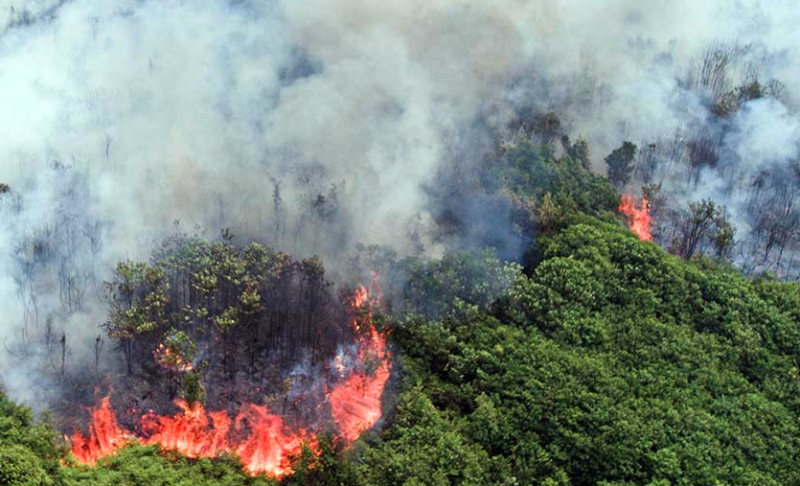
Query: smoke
point(764, 133)
point(317, 124)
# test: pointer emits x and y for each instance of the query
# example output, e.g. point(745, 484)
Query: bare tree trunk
point(98, 346)
point(63, 353)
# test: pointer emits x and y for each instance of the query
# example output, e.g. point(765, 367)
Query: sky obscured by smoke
point(316, 124)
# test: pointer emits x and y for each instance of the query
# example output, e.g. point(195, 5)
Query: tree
point(137, 299)
point(548, 215)
point(620, 164)
point(578, 151)
point(20, 467)
point(704, 229)
point(425, 448)
point(28, 452)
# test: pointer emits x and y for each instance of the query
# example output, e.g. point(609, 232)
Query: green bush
point(19, 466)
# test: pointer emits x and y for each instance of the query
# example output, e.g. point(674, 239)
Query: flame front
point(258, 437)
point(105, 435)
point(356, 402)
point(269, 447)
point(261, 439)
point(190, 431)
point(637, 216)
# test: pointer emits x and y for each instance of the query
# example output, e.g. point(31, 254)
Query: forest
point(602, 359)
point(313, 242)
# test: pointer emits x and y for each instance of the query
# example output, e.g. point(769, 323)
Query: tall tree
point(620, 164)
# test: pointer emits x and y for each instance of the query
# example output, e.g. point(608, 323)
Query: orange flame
point(356, 402)
point(637, 216)
point(269, 447)
point(260, 439)
point(170, 359)
point(105, 435)
point(189, 432)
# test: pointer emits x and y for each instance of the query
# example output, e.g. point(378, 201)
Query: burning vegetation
point(219, 321)
point(637, 215)
point(601, 354)
point(536, 340)
point(356, 400)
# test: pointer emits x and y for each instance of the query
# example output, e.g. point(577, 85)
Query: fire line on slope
point(261, 439)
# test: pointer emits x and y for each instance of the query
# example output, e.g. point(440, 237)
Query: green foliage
point(620, 164)
point(546, 190)
point(323, 467)
point(615, 363)
point(28, 451)
point(135, 312)
point(606, 362)
point(19, 466)
point(192, 388)
point(732, 101)
point(138, 465)
point(581, 191)
point(424, 447)
point(529, 173)
point(526, 171)
point(578, 151)
point(550, 216)
point(177, 350)
point(241, 298)
point(474, 277)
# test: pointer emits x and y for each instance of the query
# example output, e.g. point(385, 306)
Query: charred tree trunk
point(98, 346)
point(63, 353)
point(127, 349)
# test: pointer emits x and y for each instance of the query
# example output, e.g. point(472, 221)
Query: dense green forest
point(413, 242)
point(600, 359)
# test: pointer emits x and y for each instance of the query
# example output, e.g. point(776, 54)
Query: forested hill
point(605, 360)
point(612, 363)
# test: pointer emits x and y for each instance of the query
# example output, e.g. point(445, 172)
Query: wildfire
point(268, 447)
point(356, 402)
point(261, 439)
point(637, 216)
point(105, 435)
point(170, 359)
point(190, 431)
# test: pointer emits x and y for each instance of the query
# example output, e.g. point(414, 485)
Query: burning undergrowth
point(234, 351)
point(637, 216)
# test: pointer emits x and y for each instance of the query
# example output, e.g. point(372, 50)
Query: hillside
point(400, 242)
point(605, 360)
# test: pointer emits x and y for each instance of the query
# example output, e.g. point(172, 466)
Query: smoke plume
point(315, 125)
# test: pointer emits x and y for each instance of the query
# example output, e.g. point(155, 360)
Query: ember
point(170, 359)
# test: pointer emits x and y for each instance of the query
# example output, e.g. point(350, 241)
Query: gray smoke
point(313, 124)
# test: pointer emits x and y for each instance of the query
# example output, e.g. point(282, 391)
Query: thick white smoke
point(312, 124)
